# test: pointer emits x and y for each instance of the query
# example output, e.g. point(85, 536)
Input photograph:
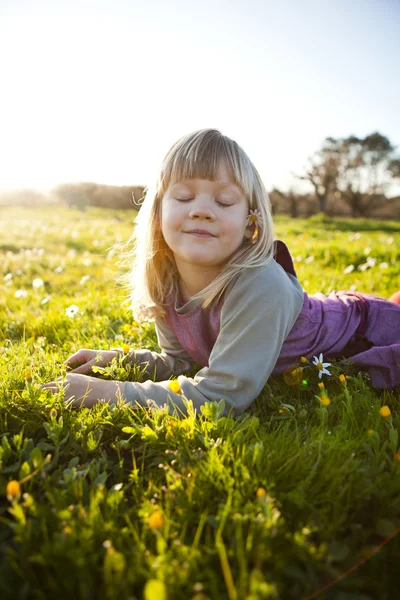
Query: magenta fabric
point(196, 330)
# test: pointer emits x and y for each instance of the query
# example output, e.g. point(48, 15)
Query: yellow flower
point(324, 399)
point(303, 359)
point(261, 492)
point(370, 431)
point(293, 376)
point(28, 374)
point(342, 378)
point(156, 520)
point(321, 386)
point(384, 411)
point(126, 348)
point(174, 386)
point(13, 490)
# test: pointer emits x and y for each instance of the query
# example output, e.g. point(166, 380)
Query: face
point(204, 222)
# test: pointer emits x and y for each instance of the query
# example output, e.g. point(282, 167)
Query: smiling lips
point(200, 233)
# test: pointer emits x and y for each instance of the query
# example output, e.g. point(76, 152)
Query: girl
point(224, 295)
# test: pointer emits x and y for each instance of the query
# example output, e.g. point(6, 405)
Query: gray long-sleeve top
point(247, 331)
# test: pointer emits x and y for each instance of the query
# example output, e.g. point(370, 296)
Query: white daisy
point(254, 217)
point(37, 283)
point(318, 362)
point(348, 269)
point(72, 310)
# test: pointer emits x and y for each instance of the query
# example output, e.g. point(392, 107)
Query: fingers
point(83, 369)
point(76, 358)
point(55, 386)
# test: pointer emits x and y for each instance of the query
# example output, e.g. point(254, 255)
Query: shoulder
point(270, 281)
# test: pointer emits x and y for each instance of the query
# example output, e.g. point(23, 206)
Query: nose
point(202, 210)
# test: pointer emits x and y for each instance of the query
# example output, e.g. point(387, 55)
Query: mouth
point(200, 233)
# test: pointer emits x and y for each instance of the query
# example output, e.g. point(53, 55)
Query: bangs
point(199, 155)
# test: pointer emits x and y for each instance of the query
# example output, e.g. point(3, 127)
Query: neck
point(191, 283)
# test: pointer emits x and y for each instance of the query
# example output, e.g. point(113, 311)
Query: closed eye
point(189, 199)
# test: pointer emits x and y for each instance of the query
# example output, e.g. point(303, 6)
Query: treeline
point(306, 205)
point(348, 177)
point(81, 195)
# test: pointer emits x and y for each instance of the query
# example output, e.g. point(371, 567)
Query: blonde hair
point(152, 273)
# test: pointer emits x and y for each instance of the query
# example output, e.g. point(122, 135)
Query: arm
point(173, 359)
point(258, 314)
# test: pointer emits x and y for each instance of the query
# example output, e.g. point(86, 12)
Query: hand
point(86, 359)
point(86, 391)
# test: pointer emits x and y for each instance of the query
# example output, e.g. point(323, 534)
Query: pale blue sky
point(98, 91)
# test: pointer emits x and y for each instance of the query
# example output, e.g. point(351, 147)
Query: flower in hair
point(254, 217)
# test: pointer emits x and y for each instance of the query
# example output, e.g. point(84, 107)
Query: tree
point(323, 172)
point(365, 164)
point(357, 170)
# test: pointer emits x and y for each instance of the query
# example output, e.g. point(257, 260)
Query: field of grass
point(296, 499)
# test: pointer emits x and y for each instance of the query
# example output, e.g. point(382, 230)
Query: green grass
point(292, 500)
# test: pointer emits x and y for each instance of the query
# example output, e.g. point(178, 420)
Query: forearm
point(158, 366)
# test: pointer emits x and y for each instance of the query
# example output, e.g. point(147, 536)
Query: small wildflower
point(21, 294)
point(156, 520)
point(342, 378)
point(293, 376)
point(321, 386)
point(321, 366)
point(324, 399)
point(261, 492)
point(13, 490)
point(348, 269)
point(37, 283)
point(303, 360)
point(126, 348)
point(28, 374)
point(384, 411)
point(370, 431)
point(174, 386)
point(71, 311)
point(254, 217)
